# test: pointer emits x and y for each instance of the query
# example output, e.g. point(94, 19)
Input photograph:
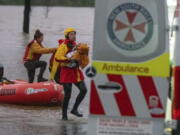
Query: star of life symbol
point(130, 26)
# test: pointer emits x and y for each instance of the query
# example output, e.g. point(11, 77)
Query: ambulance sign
point(132, 39)
point(116, 26)
point(130, 63)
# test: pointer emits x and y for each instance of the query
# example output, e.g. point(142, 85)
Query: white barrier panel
point(130, 66)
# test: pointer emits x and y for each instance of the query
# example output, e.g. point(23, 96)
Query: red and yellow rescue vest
point(67, 75)
point(28, 55)
point(34, 50)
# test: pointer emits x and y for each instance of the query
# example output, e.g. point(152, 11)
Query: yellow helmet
point(68, 30)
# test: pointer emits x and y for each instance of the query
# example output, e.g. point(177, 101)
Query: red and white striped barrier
point(143, 97)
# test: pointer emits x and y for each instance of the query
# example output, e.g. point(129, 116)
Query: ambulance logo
point(130, 26)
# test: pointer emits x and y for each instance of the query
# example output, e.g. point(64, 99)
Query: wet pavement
point(36, 120)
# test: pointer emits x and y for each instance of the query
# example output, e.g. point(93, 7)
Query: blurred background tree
point(27, 6)
point(47, 3)
point(27, 10)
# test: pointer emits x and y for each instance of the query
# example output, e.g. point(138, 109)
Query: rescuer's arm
point(36, 48)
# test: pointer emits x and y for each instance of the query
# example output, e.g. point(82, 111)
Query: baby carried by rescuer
point(79, 56)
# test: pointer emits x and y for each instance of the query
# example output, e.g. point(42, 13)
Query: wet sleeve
point(61, 52)
point(36, 48)
point(54, 69)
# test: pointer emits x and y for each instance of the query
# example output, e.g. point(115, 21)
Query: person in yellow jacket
point(70, 73)
point(33, 52)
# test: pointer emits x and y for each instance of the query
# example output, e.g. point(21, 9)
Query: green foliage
point(86, 3)
point(11, 2)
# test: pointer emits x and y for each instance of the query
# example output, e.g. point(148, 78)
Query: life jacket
point(67, 74)
point(54, 64)
point(27, 51)
point(53, 55)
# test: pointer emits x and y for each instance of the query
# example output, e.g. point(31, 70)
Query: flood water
point(38, 120)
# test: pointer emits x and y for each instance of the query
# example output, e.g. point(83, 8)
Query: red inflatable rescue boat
point(24, 93)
